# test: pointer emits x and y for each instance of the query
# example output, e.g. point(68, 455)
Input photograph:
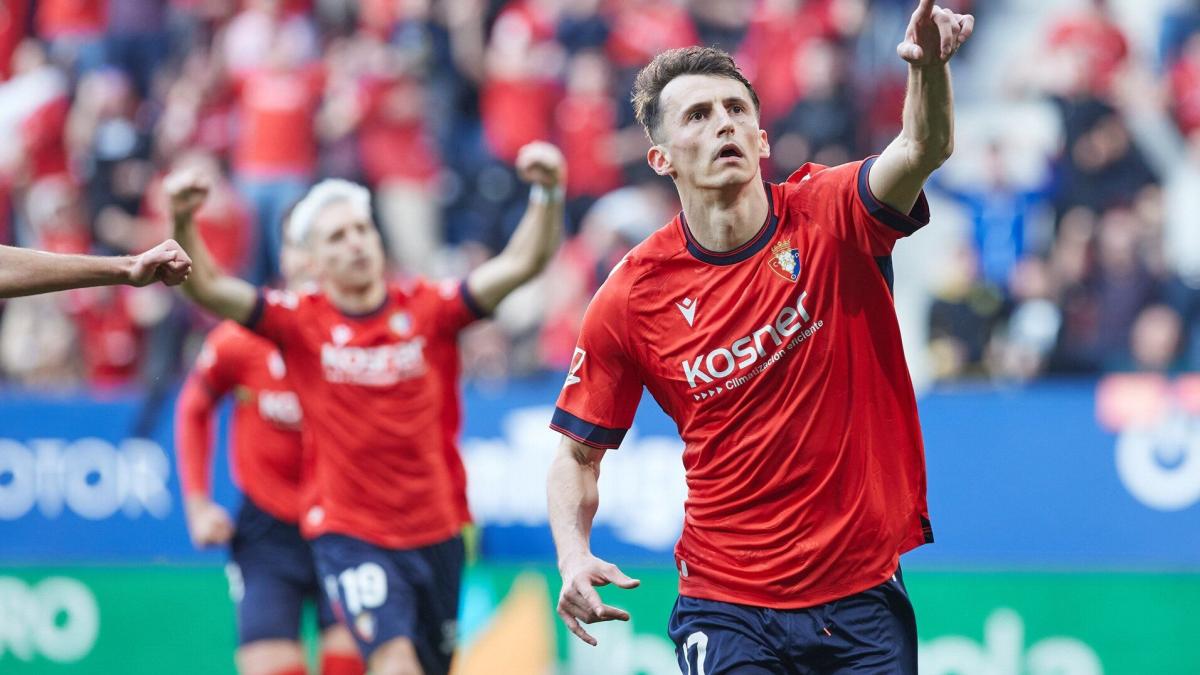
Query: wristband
point(540, 194)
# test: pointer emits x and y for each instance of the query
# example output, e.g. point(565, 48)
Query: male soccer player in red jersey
point(272, 571)
point(761, 320)
point(28, 272)
point(375, 366)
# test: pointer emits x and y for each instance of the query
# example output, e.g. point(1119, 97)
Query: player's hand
point(541, 163)
point(186, 190)
point(208, 524)
point(934, 35)
point(579, 601)
point(167, 262)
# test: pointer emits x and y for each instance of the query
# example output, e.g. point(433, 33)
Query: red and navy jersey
point(381, 404)
point(264, 446)
point(781, 364)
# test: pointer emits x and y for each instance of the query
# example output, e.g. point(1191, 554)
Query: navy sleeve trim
point(470, 301)
point(585, 432)
point(906, 224)
point(256, 314)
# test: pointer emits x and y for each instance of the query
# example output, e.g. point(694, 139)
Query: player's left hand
point(934, 35)
point(167, 262)
point(541, 163)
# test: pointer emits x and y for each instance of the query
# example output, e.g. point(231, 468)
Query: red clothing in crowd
point(391, 121)
point(643, 28)
point(1185, 91)
point(277, 135)
point(1099, 42)
point(586, 124)
point(44, 134)
point(66, 18)
point(13, 15)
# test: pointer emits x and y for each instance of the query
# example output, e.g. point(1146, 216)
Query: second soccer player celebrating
point(375, 367)
point(761, 320)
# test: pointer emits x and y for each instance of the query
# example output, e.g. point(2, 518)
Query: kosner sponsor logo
point(747, 350)
point(374, 366)
point(57, 619)
point(1004, 652)
point(89, 477)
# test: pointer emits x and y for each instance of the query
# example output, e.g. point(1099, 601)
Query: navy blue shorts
point(271, 574)
point(383, 594)
point(870, 632)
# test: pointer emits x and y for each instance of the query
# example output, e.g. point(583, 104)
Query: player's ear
point(764, 148)
point(660, 161)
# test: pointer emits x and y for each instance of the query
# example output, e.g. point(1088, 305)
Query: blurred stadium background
point(1051, 314)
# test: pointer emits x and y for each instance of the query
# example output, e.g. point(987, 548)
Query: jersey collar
point(743, 252)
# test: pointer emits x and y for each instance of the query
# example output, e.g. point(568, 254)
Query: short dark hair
point(651, 80)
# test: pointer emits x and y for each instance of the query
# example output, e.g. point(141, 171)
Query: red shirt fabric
point(515, 112)
point(1101, 46)
point(44, 136)
point(381, 406)
point(1185, 93)
point(13, 15)
point(277, 118)
point(781, 364)
point(641, 30)
point(586, 125)
point(265, 449)
point(61, 18)
point(390, 125)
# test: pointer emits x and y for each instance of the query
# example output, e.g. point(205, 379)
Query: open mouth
point(729, 150)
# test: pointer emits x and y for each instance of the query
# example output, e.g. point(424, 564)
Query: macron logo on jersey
point(688, 309)
point(748, 349)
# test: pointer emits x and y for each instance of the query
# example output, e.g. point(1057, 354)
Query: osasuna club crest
point(785, 261)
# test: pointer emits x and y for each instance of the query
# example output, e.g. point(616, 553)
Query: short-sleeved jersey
point(264, 443)
point(782, 366)
point(381, 405)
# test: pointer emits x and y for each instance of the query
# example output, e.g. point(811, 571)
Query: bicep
point(894, 178)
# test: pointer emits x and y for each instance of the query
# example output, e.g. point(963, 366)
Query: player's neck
point(357, 299)
point(722, 220)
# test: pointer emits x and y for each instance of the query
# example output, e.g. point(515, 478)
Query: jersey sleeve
point(604, 383)
point(214, 374)
point(456, 307)
point(217, 366)
point(276, 316)
point(839, 200)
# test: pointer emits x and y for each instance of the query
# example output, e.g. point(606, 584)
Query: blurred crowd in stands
point(1080, 256)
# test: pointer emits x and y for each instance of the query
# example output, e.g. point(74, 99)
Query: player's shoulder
point(648, 256)
point(812, 174)
point(420, 291)
point(308, 295)
point(230, 338)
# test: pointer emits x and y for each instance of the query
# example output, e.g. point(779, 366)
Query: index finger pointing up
point(924, 9)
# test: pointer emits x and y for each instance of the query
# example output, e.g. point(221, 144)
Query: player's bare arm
point(927, 137)
point(536, 238)
point(224, 295)
point(28, 272)
point(572, 497)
